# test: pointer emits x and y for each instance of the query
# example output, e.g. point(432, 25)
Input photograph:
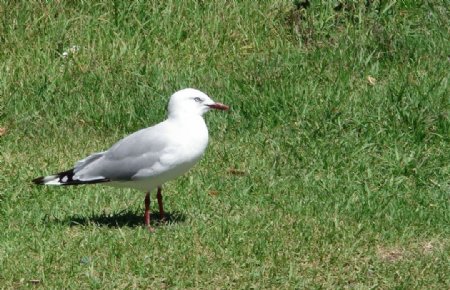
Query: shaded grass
point(344, 183)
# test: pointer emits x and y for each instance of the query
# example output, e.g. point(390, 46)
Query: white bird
point(149, 157)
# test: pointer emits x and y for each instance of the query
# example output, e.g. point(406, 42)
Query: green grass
point(342, 183)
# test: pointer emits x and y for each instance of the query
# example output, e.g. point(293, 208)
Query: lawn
point(332, 169)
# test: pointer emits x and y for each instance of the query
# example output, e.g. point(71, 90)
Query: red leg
point(147, 211)
point(160, 203)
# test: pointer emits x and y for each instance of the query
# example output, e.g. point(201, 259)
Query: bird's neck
point(185, 117)
point(192, 127)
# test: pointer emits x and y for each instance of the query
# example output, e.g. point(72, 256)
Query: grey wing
point(82, 164)
point(138, 151)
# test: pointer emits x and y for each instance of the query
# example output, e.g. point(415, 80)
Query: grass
point(331, 171)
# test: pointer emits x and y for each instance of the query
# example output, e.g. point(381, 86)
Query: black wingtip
point(65, 178)
point(39, 180)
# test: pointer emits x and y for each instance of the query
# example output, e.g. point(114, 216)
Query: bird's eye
point(198, 100)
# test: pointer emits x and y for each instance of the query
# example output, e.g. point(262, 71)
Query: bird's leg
point(147, 211)
point(160, 203)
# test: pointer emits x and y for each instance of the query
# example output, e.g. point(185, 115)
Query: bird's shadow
point(124, 219)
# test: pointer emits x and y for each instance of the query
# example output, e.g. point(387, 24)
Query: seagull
point(148, 158)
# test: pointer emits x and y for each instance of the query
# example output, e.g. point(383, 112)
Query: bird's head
point(192, 102)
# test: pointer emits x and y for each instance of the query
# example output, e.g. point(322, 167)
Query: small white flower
point(74, 49)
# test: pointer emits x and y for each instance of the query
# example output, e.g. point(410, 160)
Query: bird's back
point(152, 155)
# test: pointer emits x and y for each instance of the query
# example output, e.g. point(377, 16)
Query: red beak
point(219, 106)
